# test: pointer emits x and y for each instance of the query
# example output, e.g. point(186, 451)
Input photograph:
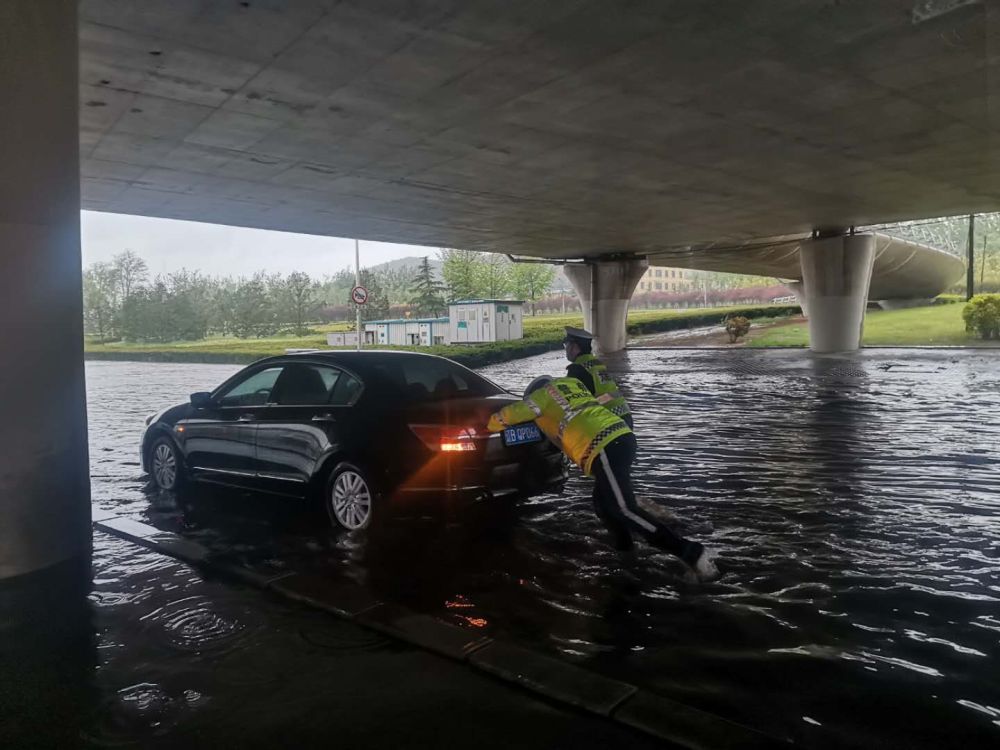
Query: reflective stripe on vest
point(535, 408)
point(605, 388)
point(574, 421)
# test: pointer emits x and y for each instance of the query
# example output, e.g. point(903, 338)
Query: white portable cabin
point(344, 338)
point(480, 321)
point(407, 332)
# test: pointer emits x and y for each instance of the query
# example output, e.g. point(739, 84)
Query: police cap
point(577, 334)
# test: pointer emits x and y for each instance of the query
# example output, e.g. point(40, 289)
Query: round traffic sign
point(359, 295)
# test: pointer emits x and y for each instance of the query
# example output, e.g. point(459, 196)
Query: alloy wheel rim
point(351, 500)
point(165, 466)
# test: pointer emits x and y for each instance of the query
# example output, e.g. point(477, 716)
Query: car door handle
point(245, 418)
point(324, 418)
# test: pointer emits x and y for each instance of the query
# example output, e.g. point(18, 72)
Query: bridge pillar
point(44, 472)
point(605, 288)
point(836, 273)
point(800, 295)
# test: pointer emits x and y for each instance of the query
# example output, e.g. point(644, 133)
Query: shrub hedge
point(982, 316)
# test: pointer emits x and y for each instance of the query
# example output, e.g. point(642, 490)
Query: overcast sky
point(169, 245)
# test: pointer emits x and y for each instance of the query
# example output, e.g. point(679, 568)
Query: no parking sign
point(359, 295)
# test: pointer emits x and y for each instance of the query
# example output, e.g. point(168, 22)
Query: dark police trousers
point(615, 503)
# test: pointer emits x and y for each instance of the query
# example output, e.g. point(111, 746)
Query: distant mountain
point(410, 263)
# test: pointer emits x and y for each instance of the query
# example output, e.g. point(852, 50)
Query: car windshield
point(422, 379)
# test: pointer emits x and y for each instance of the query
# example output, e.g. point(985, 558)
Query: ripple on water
point(142, 710)
point(192, 624)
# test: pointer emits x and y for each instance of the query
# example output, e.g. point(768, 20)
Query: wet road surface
point(855, 503)
point(157, 657)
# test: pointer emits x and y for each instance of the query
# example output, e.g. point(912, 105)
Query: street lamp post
point(357, 282)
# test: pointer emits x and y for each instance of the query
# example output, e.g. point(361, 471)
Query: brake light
point(446, 438)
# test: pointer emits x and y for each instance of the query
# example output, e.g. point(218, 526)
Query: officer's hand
point(494, 425)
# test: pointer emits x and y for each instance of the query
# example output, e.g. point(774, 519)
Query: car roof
point(348, 358)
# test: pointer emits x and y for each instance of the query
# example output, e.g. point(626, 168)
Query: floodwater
point(854, 501)
point(158, 657)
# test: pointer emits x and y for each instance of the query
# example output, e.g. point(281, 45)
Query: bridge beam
point(44, 472)
point(836, 274)
point(605, 288)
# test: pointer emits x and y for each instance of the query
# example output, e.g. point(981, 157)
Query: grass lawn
point(934, 325)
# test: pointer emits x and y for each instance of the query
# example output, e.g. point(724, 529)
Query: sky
point(168, 245)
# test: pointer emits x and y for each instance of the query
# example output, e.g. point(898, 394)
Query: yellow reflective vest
point(569, 415)
point(605, 388)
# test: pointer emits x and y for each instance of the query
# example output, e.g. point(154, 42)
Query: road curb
point(543, 675)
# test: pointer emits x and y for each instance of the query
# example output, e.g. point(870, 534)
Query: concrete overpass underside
point(559, 129)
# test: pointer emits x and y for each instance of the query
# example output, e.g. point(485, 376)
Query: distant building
point(407, 332)
point(658, 279)
point(343, 338)
point(478, 321)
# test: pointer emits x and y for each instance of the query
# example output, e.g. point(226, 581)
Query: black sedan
point(359, 429)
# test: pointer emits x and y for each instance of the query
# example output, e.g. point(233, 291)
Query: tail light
point(446, 438)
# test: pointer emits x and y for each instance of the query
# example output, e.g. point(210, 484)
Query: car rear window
point(419, 379)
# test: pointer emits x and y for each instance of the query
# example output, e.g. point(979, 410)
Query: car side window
point(345, 391)
point(255, 390)
point(304, 384)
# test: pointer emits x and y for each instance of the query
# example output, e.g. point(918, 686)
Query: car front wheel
point(165, 464)
point(350, 498)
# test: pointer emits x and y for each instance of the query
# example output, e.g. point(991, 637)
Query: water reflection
point(854, 501)
point(48, 652)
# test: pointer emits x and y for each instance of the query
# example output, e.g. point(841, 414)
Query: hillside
point(410, 263)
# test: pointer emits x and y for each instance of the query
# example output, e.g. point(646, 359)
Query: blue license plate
point(521, 434)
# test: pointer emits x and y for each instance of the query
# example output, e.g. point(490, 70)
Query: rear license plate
point(521, 434)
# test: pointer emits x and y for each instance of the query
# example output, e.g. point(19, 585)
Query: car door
point(309, 416)
point(219, 440)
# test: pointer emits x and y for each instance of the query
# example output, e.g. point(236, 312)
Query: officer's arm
point(512, 414)
point(580, 373)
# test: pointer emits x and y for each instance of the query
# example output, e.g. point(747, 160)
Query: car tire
point(350, 498)
point(166, 467)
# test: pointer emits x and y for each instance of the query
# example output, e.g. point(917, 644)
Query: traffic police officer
point(593, 373)
point(602, 445)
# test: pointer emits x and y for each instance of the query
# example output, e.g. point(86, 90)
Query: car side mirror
point(201, 400)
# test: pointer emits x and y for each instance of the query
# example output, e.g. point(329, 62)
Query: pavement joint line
point(322, 606)
point(475, 653)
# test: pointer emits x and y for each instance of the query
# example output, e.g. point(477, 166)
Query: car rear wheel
point(350, 498)
point(165, 464)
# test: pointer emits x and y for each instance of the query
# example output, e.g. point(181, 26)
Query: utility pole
point(357, 282)
point(982, 265)
point(970, 271)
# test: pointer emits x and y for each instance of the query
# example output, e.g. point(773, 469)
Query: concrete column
point(836, 273)
point(605, 288)
point(44, 473)
point(800, 295)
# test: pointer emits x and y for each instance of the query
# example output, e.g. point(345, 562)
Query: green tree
point(100, 300)
point(132, 273)
point(336, 289)
point(462, 272)
point(495, 277)
point(532, 281)
point(721, 281)
point(377, 306)
point(427, 292)
point(166, 310)
point(248, 308)
point(199, 293)
point(299, 299)
point(397, 283)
